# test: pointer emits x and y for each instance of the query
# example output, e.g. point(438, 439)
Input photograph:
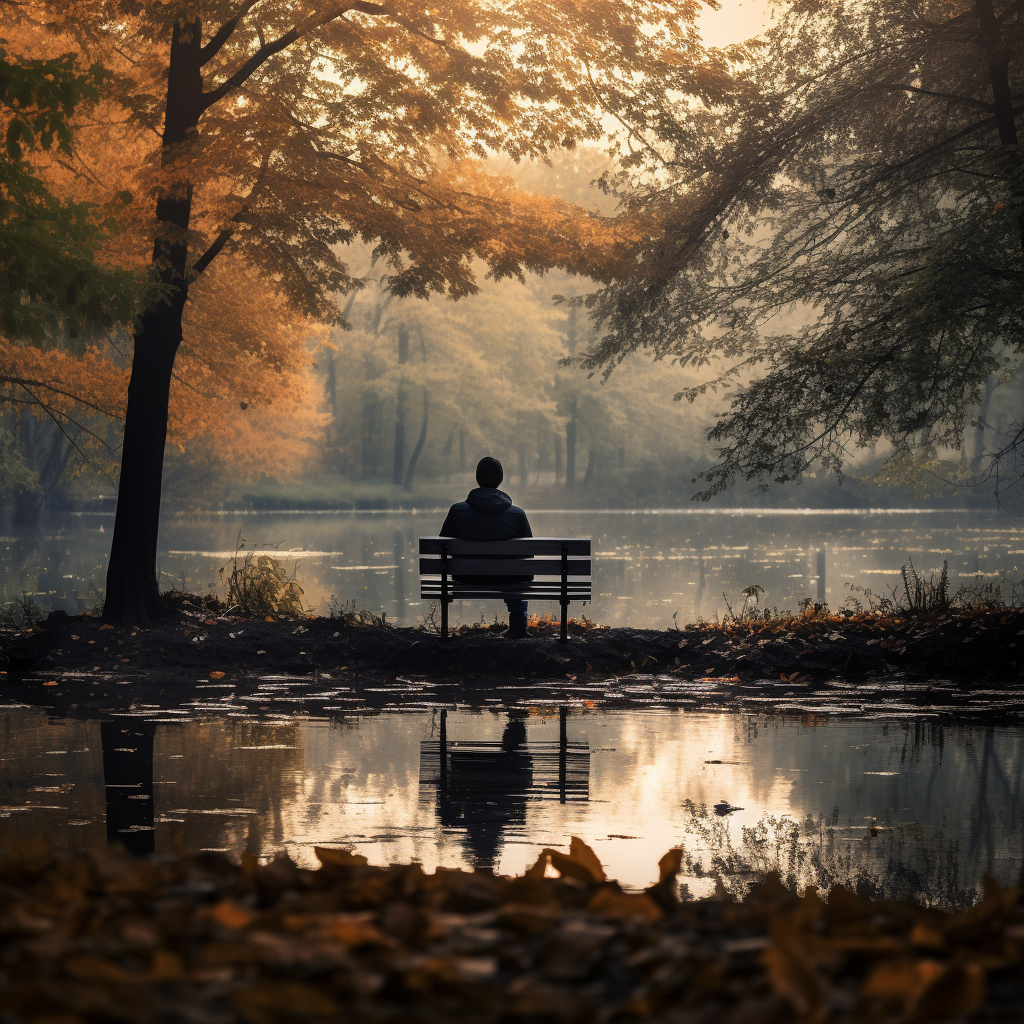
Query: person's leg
point(516, 619)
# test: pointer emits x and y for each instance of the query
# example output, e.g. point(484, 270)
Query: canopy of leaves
point(51, 285)
point(319, 124)
point(840, 242)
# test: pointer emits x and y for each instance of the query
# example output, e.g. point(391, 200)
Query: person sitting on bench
point(488, 514)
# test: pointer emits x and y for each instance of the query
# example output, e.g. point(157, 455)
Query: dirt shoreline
point(954, 663)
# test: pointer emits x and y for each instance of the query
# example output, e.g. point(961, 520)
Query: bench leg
point(564, 638)
point(444, 619)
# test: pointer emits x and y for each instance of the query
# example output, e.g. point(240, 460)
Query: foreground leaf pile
point(103, 937)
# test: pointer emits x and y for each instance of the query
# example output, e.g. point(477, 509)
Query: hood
point(488, 500)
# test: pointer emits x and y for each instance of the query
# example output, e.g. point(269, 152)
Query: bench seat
point(560, 568)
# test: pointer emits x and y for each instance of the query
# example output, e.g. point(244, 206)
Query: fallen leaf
point(625, 905)
point(670, 865)
point(231, 915)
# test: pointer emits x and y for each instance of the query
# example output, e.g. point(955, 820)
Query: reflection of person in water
point(485, 790)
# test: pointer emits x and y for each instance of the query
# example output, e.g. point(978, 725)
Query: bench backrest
point(492, 557)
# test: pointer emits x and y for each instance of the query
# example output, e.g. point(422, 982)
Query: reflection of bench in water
point(483, 785)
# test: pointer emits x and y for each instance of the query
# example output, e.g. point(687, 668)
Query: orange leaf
point(231, 915)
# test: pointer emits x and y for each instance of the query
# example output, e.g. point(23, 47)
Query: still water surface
point(651, 568)
point(945, 798)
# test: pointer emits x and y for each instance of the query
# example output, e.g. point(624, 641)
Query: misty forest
point(452, 454)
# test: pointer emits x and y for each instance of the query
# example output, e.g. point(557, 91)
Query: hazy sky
point(737, 20)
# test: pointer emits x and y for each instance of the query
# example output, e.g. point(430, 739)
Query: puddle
point(911, 807)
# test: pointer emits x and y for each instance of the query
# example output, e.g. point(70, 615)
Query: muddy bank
point(199, 938)
point(952, 662)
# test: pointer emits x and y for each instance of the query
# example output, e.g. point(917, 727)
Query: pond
point(651, 568)
point(910, 808)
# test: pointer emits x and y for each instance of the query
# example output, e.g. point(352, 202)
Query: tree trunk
point(331, 394)
point(978, 456)
point(588, 476)
point(369, 422)
point(558, 459)
point(132, 591)
point(446, 454)
point(415, 457)
point(523, 472)
point(28, 504)
point(570, 455)
point(999, 76)
point(132, 587)
point(398, 469)
point(398, 473)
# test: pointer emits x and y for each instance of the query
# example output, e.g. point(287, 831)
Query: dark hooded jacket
point(487, 514)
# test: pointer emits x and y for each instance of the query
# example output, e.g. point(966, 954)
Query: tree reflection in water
point(128, 782)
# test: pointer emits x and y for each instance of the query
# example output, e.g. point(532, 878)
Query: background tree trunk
point(414, 458)
point(570, 455)
point(398, 472)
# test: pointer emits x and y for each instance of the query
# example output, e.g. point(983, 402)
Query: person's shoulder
point(459, 506)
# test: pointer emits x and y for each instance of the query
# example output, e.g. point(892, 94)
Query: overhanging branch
point(265, 52)
point(223, 34)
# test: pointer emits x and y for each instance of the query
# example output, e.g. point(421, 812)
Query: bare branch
point(28, 385)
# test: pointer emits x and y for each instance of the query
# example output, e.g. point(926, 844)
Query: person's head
point(489, 472)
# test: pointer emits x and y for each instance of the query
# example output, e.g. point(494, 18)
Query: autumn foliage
point(104, 936)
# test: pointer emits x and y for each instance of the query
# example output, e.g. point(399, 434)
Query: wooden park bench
point(560, 567)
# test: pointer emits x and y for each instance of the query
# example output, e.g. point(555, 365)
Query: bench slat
point(462, 590)
point(534, 598)
point(517, 546)
point(500, 567)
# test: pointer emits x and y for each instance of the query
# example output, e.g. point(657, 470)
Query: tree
point(840, 242)
point(286, 129)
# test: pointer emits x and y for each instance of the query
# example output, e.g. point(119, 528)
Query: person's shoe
point(516, 627)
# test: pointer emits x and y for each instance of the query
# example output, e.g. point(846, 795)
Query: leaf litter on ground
point(102, 936)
